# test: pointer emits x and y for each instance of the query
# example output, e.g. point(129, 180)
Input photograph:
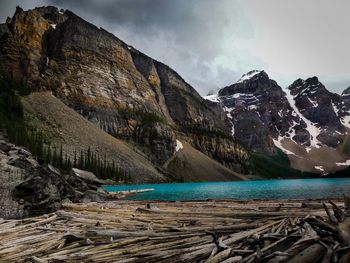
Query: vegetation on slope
point(276, 166)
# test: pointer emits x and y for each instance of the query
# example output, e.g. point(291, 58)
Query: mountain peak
point(309, 86)
point(251, 75)
point(346, 91)
point(312, 80)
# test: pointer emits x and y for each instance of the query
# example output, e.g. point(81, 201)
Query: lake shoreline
point(287, 189)
point(166, 231)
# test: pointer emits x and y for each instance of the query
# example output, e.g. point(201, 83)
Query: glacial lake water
point(242, 190)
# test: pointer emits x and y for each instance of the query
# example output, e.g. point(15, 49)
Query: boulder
point(22, 161)
point(44, 191)
point(88, 177)
point(94, 196)
point(5, 147)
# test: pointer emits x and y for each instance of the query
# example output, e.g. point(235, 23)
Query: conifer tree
point(60, 158)
point(49, 154)
point(54, 157)
point(75, 158)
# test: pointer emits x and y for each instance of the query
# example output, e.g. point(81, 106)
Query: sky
point(212, 43)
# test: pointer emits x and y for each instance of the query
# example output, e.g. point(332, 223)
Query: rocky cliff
point(121, 90)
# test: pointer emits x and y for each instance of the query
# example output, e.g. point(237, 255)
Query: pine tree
point(49, 154)
point(69, 163)
point(81, 160)
point(75, 158)
point(54, 157)
point(88, 159)
point(60, 158)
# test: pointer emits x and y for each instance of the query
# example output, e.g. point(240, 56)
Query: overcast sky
point(211, 43)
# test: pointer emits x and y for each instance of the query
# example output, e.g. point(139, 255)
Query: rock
point(22, 162)
point(4, 146)
point(66, 201)
point(44, 191)
point(24, 152)
point(101, 190)
point(13, 152)
point(28, 189)
point(94, 196)
point(53, 169)
point(77, 182)
point(86, 176)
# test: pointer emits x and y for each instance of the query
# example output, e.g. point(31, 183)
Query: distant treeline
point(13, 125)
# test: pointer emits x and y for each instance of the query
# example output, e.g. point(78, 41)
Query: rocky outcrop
point(124, 92)
point(28, 188)
point(319, 106)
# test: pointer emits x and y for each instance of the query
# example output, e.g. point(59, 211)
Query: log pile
point(212, 231)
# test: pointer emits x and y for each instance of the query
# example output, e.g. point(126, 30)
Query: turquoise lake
point(242, 190)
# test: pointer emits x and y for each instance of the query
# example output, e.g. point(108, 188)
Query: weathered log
point(226, 231)
point(310, 254)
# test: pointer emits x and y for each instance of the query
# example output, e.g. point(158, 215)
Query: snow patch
point(280, 113)
point(252, 107)
point(321, 169)
point(278, 144)
point(248, 75)
point(346, 121)
point(314, 103)
point(346, 163)
point(213, 98)
point(228, 110)
point(179, 146)
point(335, 109)
point(311, 127)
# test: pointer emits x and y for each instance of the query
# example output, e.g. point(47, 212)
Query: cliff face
point(124, 92)
point(320, 106)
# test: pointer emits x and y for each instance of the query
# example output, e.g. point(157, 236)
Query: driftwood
point(212, 231)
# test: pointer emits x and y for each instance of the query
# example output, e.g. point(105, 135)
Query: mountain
point(305, 121)
point(143, 104)
point(90, 91)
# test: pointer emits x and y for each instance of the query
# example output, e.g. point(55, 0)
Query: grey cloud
point(211, 43)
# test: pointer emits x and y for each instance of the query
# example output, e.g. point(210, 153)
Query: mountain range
point(90, 90)
point(305, 120)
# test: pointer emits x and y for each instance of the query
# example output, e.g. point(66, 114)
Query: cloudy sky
point(211, 43)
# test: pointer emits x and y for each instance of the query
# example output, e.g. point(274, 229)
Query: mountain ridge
point(300, 119)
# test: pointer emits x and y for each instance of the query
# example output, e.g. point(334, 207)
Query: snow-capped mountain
point(304, 120)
